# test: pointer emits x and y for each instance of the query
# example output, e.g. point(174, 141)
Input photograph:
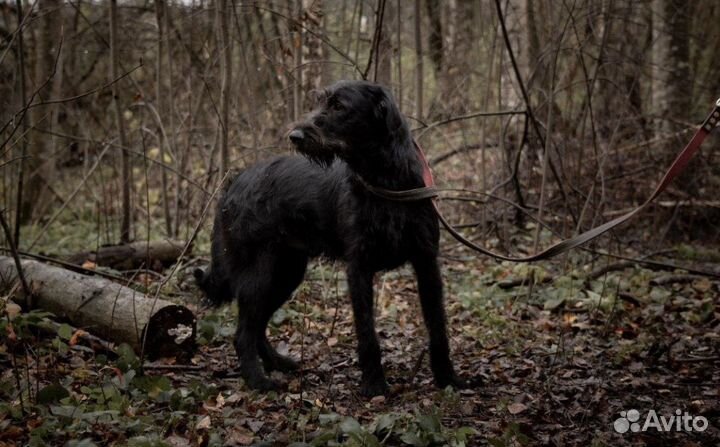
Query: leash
point(430, 191)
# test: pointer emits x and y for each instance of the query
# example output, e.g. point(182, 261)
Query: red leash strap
point(427, 173)
point(675, 169)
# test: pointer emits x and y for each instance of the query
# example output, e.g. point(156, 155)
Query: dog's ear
point(386, 110)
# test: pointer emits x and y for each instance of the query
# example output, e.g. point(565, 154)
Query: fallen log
point(107, 309)
point(153, 255)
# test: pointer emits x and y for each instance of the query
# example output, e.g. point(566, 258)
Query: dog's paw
point(263, 383)
point(285, 364)
point(454, 381)
point(281, 363)
point(375, 388)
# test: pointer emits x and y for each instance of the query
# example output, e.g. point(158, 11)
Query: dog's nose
point(296, 136)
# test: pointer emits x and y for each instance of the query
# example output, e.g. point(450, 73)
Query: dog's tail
point(216, 290)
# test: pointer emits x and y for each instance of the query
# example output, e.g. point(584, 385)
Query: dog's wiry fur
point(277, 215)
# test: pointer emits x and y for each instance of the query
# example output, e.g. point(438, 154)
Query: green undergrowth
point(72, 396)
point(110, 401)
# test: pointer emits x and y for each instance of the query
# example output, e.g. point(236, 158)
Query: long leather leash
point(430, 191)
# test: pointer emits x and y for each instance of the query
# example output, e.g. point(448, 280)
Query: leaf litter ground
point(555, 365)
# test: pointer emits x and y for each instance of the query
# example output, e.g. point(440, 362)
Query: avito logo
point(630, 421)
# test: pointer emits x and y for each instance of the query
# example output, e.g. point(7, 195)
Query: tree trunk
point(25, 122)
point(419, 81)
point(672, 89)
point(225, 45)
point(383, 58)
point(536, 67)
point(122, 140)
point(435, 38)
point(672, 92)
point(107, 309)
point(312, 19)
point(39, 165)
point(162, 109)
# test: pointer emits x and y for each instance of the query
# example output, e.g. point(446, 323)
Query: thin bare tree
point(161, 99)
point(224, 14)
point(40, 166)
point(419, 81)
point(24, 124)
point(122, 139)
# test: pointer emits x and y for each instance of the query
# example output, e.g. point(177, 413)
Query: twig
point(92, 341)
point(67, 265)
point(13, 160)
point(189, 243)
point(43, 232)
point(673, 278)
point(87, 93)
point(32, 105)
point(528, 107)
point(515, 282)
point(458, 150)
point(601, 271)
point(16, 258)
point(159, 366)
point(134, 152)
point(656, 265)
point(299, 24)
point(711, 358)
point(659, 265)
point(629, 298)
point(418, 365)
point(427, 126)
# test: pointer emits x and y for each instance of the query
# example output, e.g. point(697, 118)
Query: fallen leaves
point(550, 373)
point(516, 408)
point(203, 423)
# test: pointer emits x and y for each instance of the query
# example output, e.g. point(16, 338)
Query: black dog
point(277, 215)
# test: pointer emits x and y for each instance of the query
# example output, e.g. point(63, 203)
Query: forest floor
point(552, 366)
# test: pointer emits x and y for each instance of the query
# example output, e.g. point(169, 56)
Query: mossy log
point(153, 255)
point(107, 309)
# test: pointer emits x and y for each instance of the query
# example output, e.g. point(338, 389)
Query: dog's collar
point(428, 191)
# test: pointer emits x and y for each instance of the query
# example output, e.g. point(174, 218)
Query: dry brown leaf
point(516, 408)
point(89, 265)
point(203, 424)
point(76, 337)
point(239, 436)
point(12, 310)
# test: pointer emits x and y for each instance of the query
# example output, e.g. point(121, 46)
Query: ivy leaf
point(384, 422)
point(350, 425)
point(51, 394)
point(412, 438)
point(65, 331)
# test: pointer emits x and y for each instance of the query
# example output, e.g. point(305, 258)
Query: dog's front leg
point(430, 288)
point(360, 282)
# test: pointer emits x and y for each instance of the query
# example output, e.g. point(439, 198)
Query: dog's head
point(350, 117)
point(215, 290)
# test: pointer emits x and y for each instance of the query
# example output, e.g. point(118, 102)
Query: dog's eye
point(335, 104)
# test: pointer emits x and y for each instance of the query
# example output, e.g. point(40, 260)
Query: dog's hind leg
point(254, 292)
point(246, 346)
point(430, 290)
point(360, 282)
point(287, 275)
